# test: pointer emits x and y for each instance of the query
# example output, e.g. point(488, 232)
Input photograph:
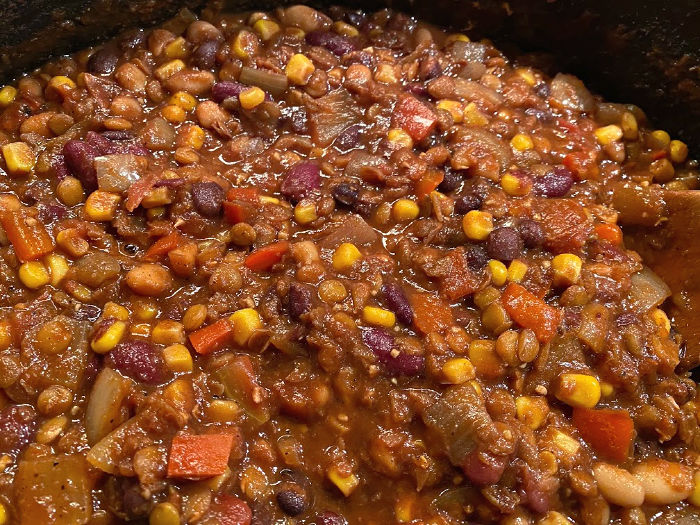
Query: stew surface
point(297, 267)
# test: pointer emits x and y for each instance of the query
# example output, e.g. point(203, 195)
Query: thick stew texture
point(333, 268)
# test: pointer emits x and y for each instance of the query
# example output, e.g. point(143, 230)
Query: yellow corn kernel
point(251, 97)
point(34, 274)
point(102, 205)
point(499, 272)
point(346, 484)
point(79, 291)
point(223, 410)
point(269, 200)
point(176, 49)
point(168, 332)
point(110, 338)
point(178, 358)
point(173, 114)
point(378, 316)
point(183, 100)
point(694, 497)
point(116, 311)
point(403, 509)
point(458, 370)
point(477, 225)
point(345, 29)
point(661, 320)
point(678, 151)
point(606, 389)
point(245, 322)
point(144, 309)
point(60, 84)
point(193, 136)
point(628, 123)
point(553, 518)
point(7, 95)
point(299, 69)
point(522, 142)
point(531, 410)
point(608, 134)
point(240, 44)
point(332, 291)
point(516, 271)
point(453, 107)
point(19, 158)
point(345, 256)
point(58, 267)
point(5, 335)
point(3, 514)
point(578, 390)
point(660, 139)
point(405, 210)
point(386, 74)
point(164, 514)
point(515, 186)
point(565, 443)
point(140, 330)
point(305, 212)
point(527, 75)
point(567, 269)
point(266, 28)
point(473, 116)
point(70, 191)
point(168, 69)
point(456, 37)
point(400, 138)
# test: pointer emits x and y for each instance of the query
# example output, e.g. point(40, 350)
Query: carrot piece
point(609, 432)
point(230, 510)
point(162, 246)
point(235, 212)
point(430, 314)
point(414, 117)
point(28, 236)
point(243, 194)
point(199, 456)
point(609, 232)
point(266, 257)
point(210, 338)
point(428, 182)
point(529, 311)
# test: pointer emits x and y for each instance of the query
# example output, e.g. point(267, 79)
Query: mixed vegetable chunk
point(330, 268)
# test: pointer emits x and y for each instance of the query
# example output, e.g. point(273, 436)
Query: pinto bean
point(618, 486)
point(200, 31)
point(149, 279)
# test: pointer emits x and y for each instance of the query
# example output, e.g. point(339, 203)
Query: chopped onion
point(116, 173)
point(103, 411)
point(647, 290)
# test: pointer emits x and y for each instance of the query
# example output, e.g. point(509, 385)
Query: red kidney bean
point(381, 343)
point(330, 518)
point(482, 468)
point(336, 44)
point(348, 138)
point(531, 232)
point(299, 300)
point(477, 257)
point(204, 57)
point(80, 158)
point(504, 244)
point(208, 198)
point(103, 61)
point(102, 144)
point(139, 360)
point(555, 183)
point(49, 213)
point(223, 90)
point(300, 181)
point(417, 89)
point(536, 494)
point(397, 302)
point(117, 135)
point(17, 427)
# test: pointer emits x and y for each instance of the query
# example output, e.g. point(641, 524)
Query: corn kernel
point(144, 309)
point(516, 271)
point(659, 139)
point(70, 191)
point(305, 212)
point(346, 484)
point(223, 410)
point(332, 291)
point(403, 509)
point(109, 338)
point(345, 29)
point(19, 158)
point(184, 100)
point(251, 97)
point(178, 358)
point(553, 518)
point(168, 332)
point(266, 28)
point(499, 272)
point(405, 210)
point(299, 69)
point(245, 322)
point(164, 514)
point(454, 108)
point(606, 389)
point(345, 256)
point(173, 114)
point(527, 75)
point(116, 311)
point(565, 443)
point(58, 267)
point(477, 225)
point(242, 44)
point(608, 134)
point(168, 69)
point(176, 49)
point(7, 95)
point(193, 136)
point(694, 497)
point(5, 335)
point(628, 123)
point(515, 186)
point(61, 85)
point(456, 37)
point(522, 142)
point(578, 390)
point(678, 151)
point(661, 320)
point(400, 138)
point(386, 74)
point(473, 116)
point(78, 291)
point(567, 269)
point(482, 354)
point(3, 514)
point(102, 205)
point(269, 200)
point(34, 274)
point(458, 370)
point(531, 410)
point(378, 316)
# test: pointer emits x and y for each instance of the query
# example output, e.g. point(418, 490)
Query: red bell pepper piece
point(28, 236)
point(162, 246)
point(430, 180)
point(243, 194)
point(529, 311)
point(235, 212)
point(210, 338)
point(266, 257)
point(609, 432)
point(199, 456)
point(414, 117)
point(230, 510)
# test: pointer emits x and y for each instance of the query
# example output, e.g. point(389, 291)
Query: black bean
point(531, 233)
point(451, 182)
point(204, 57)
point(80, 158)
point(348, 138)
point(336, 44)
point(504, 244)
point(208, 198)
point(17, 427)
point(292, 502)
point(397, 302)
point(477, 257)
point(330, 518)
point(470, 201)
point(139, 360)
point(103, 61)
point(356, 18)
point(300, 181)
point(555, 183)
point(299, 300)
point(345, 194)
point(133, 39)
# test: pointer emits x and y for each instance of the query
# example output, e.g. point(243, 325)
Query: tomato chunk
point(609, 432)
point(199, 456)
point(414, 117)
point(428, 182)
point(529, 311)
point(430, 314)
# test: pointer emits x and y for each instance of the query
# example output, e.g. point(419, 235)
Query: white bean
point(664, 482)
point(618, 486)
